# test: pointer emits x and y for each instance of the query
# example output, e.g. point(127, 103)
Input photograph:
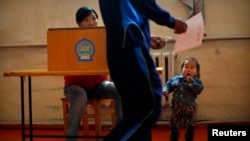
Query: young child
point(185, 88)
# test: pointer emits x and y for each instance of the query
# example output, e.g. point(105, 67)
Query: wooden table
point(45, 72)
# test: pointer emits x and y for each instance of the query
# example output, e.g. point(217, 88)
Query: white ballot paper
point(193, 37)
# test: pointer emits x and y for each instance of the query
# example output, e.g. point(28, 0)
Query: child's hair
point(197, 64)
point(83, 12)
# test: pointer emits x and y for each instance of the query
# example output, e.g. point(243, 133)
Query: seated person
point(78, 89)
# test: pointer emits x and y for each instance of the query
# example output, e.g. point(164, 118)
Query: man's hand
point(180, 26)
point(157, 42)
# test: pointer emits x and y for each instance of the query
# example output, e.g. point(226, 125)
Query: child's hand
point(189, 78)
point(165, 93)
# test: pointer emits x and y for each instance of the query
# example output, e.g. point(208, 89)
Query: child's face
point(90, 21)
point(189, 68)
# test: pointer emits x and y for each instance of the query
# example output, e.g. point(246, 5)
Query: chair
point(97, 114)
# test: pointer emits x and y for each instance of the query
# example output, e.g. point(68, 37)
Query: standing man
point(131, 66)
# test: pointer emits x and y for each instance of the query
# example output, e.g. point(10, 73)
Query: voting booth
point(76, 49)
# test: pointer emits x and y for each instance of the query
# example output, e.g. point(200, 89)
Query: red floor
point(159, 133)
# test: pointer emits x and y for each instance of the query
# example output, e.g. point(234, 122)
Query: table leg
point(22, 108)
point(30, 108)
